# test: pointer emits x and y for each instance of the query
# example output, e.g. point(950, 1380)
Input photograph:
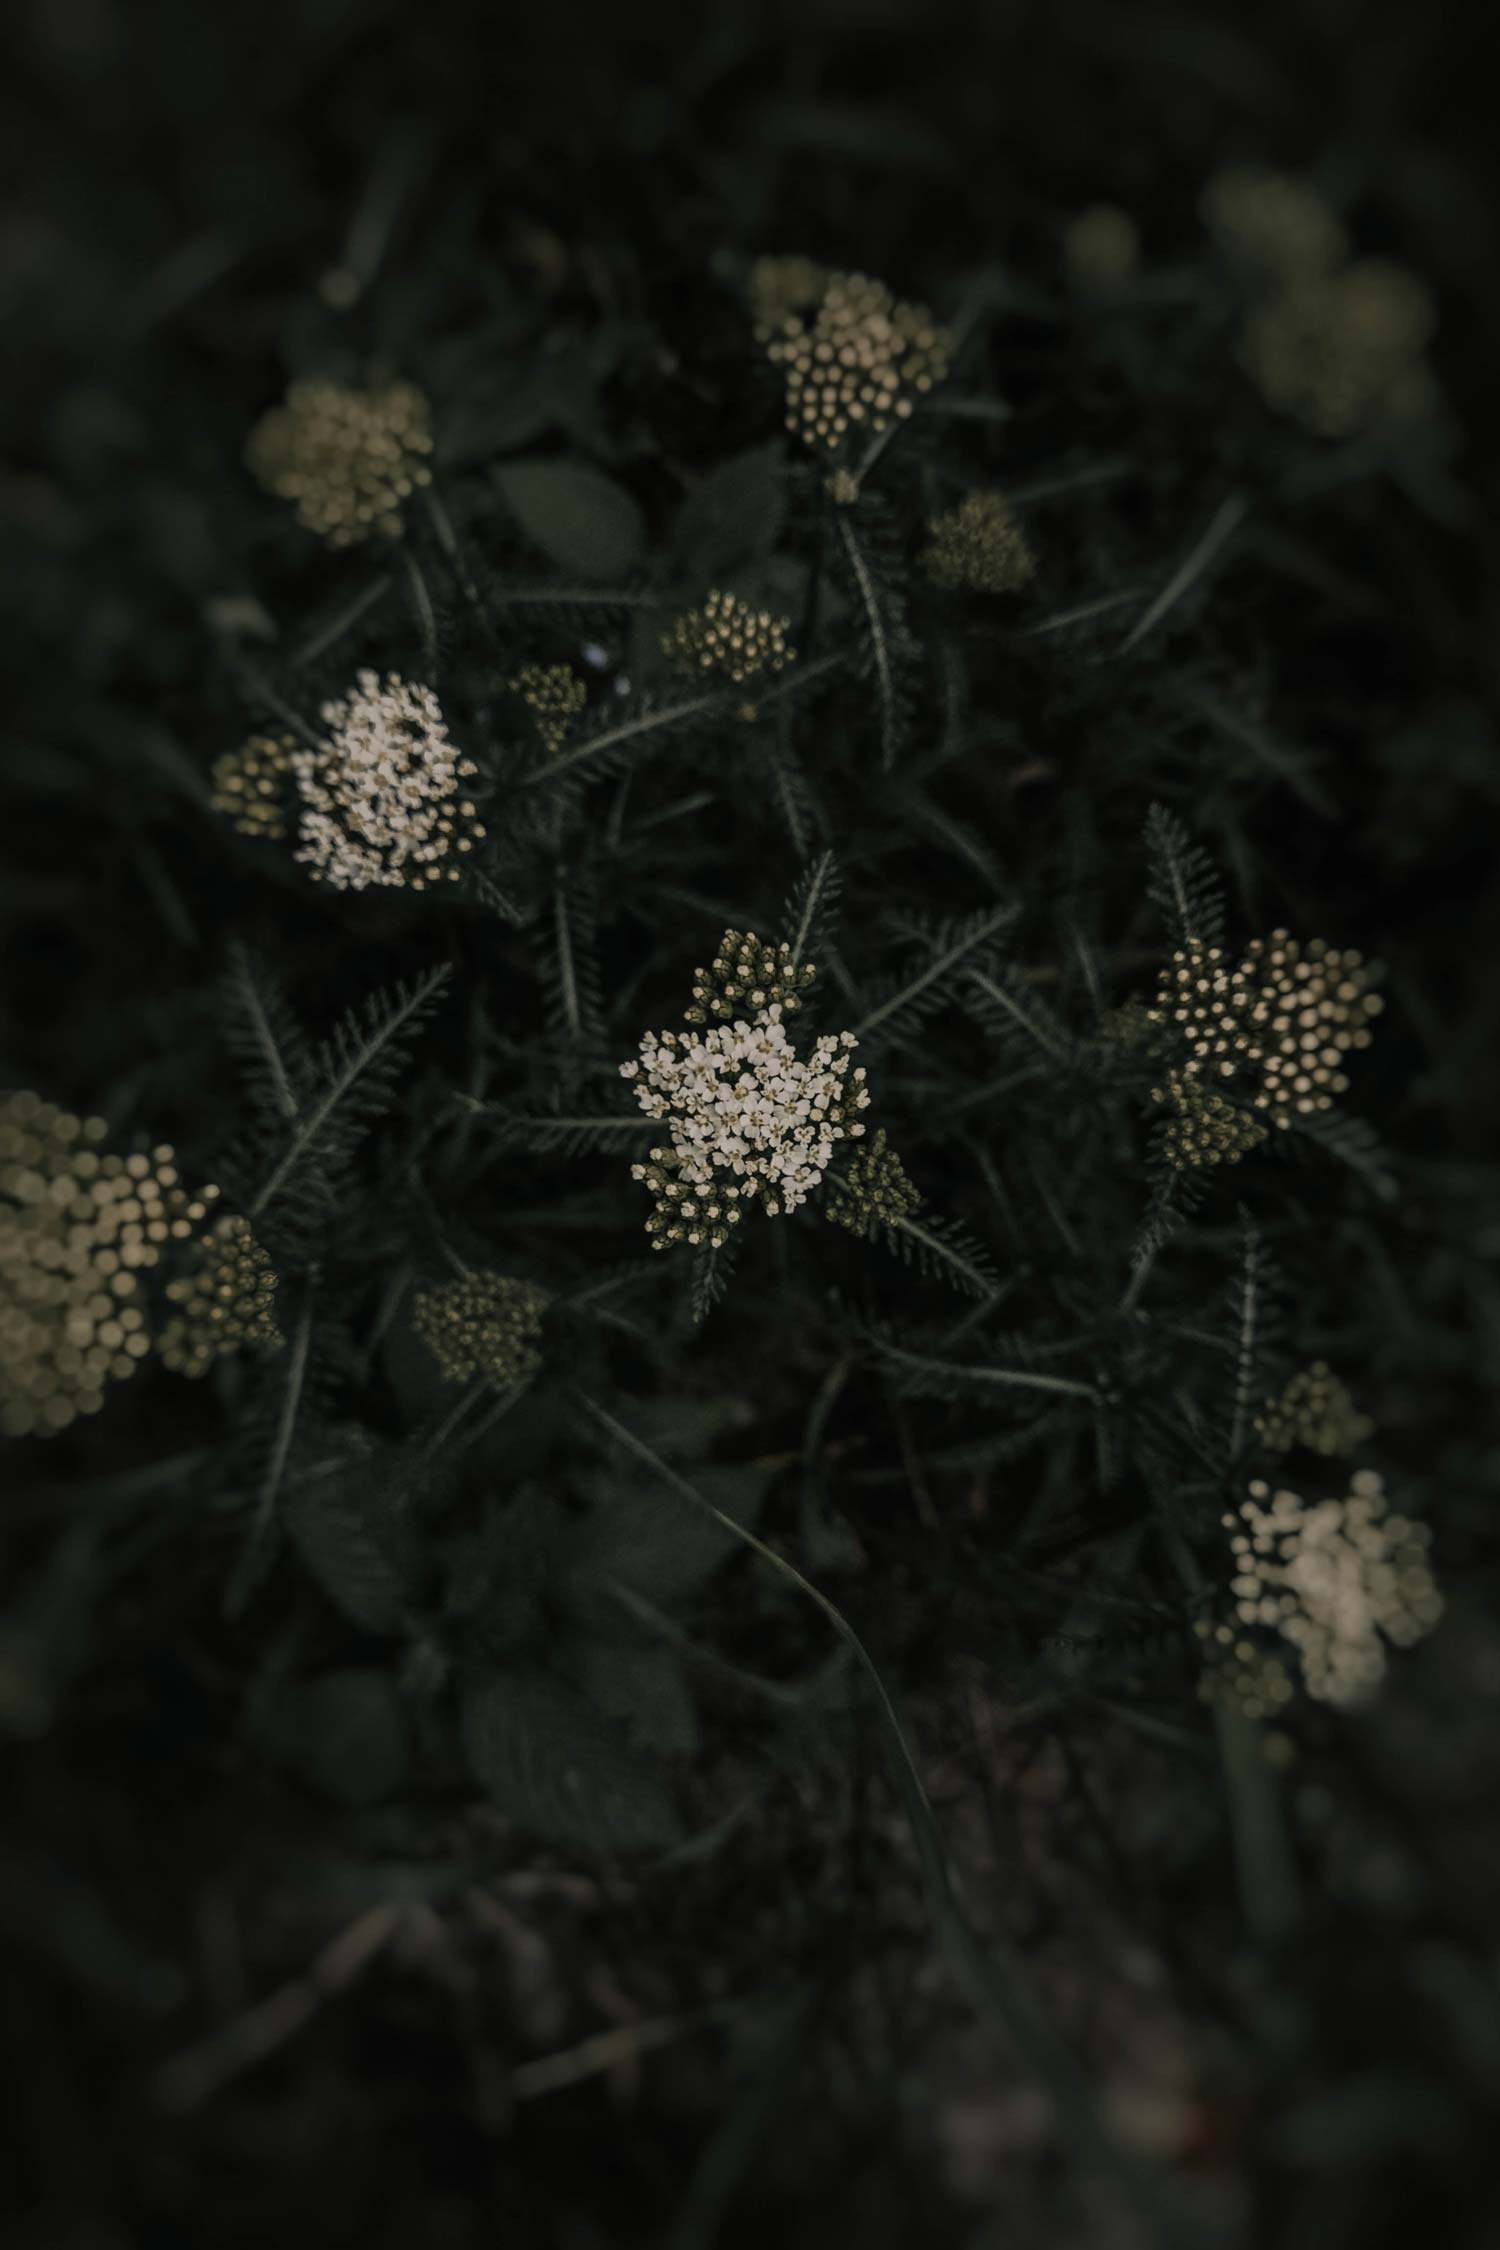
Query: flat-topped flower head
point(979, 545)
point(225, 1305)
point(347, 458)
point(745, 977)
point(857, 363)
point(1336, 1578)
point(555, 696)
point(250, 785)
point(1272, 1030)
point(1275, 229)
point(1315, 1410)
point(382, 800)
point(872, 1191)
point(731, 638)
point(79, 1225)
point(485, 1324)
point(744, 1117)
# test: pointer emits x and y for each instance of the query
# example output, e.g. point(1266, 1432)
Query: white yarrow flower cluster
point(1332, 1577)
point(381, 802)
point(747, 1117)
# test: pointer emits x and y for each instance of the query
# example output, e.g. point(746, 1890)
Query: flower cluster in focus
point(746, 973)
point(979, 545)
point(77, 1230)
point(1272, 1030)
point(1336, 1578)
point(854, 358)
point(872, 1191)
point(381, 802)
point(484, 1324)
point(225, 1305)
point(554, 695)
point(731, 638)
point(347, 458)
point(746, 1117)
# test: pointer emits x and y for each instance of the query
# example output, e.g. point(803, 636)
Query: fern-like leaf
point(1182, 881)
point(948, 951)
point(355, 1074)
point(888, 649)
point(809, 911)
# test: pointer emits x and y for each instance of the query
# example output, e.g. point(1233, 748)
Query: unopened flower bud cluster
point(381, 795)
point(78, 1227)
point(227, 1304)
point(484, 1324)
point(1202, 1127)
point(1339, 345)
point(555, 696)
point(746, 976)
point(250, 785)
point(1315, 1410)
point(1336, 1578)
point(1272, 1030)
point(746, 1118)
point(346, 458)
point(872, 1191)
point(730, 637)
point(854, 358)
point(979, 545)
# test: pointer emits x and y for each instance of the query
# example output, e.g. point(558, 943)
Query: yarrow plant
point(1316, 1410)
point(226, 1305)
point(1336, 1578)
point(381, 797)
point(78, 1229)
point(250, 785)
point(1272, 1031)
point(747, 1118)
point(859, 361)
point(979, 545)
point(484, 1324)
point(872, 1191)
point(747, 973)
point(348, 459)
point(555, 696)
point(730, 637)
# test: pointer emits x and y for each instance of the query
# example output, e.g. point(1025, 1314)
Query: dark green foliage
point(746, 1749)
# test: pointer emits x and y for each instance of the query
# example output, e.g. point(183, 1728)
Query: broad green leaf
point(346, 1733)
point(643, 1687)
point(734, 516)
point(554, 1765)
point(578, 516)
point(351, 1539)
point(639, 1535)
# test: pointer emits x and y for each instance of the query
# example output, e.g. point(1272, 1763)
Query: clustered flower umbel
point(1314, 1409)
point(250, 785)
point(484, 1324)
point(980, 545)
point(347, 458)
point(1333, 1577)
point(746, 1116)
point(1339, 345)
point(380, 795)
point(746, 973)
point(225, 1305)
point(855, 358)
point(872, 1191)
point(554, 695)
point(77, 1229)
point(1101, 249)
point(732, 638)
point(1272, 1030)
